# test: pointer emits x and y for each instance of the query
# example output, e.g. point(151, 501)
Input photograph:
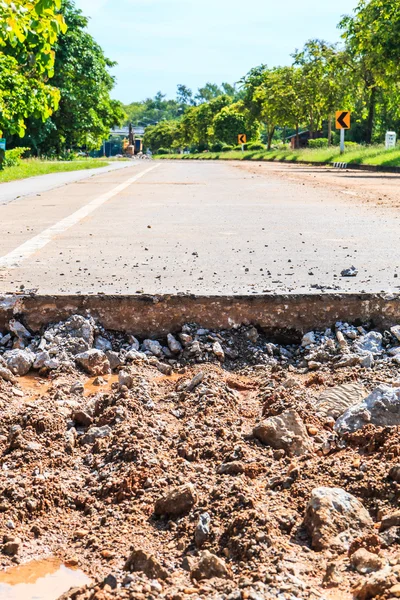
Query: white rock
point(371, 342)
point(153, 347)
point(381, 408)
point(308, 339)
point(396, 331)
point(173, 344)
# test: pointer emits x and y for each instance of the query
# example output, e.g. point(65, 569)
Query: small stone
point(394, 473)
point(102, 343)
point(173, 344)
point(12, 546)
point(19, 330)
point(153, 347)
point(390, 520)
point(197, 379)
point(178, 501)
point(395, 590)
point(285, 432)
point(202, 531)
point(209, 566)
point(147, 563)
point(114, 359)
point(366, 562)
point(19, 362)
point(95, 433)
point(308, 339)
point(94, 362)
point(6, 374)
point(111, 581)
point(77, 388)
point(125, 379)
point(334, 518)
point(351, 272)
point(82, 418)
point(218, 351)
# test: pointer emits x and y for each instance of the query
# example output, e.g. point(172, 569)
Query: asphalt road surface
point(201, 227)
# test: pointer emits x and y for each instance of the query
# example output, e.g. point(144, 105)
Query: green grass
point(371, 155)
point(33, 167)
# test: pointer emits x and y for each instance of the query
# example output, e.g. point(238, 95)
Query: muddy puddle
point(39, 580)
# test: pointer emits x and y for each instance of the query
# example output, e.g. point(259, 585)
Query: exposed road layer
point(203, 228)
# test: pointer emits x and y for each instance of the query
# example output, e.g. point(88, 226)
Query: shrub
point(318, 143)
point(162, 151)
point(226, 148)
point(255, 146)
point(351, 145)
point(216, 147)
point(13, 157)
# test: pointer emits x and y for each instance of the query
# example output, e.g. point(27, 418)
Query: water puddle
point(95, 388)
point(33, 387)
point(39, 580)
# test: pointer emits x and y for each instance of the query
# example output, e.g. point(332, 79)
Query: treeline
point(362, 74)
point(55, 81)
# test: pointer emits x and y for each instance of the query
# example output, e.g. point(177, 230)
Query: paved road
point(212, 228)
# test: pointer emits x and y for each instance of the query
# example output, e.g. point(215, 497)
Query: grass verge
point(34, 167)
point(371, 155)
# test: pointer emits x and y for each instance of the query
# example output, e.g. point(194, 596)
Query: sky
point(159, 44)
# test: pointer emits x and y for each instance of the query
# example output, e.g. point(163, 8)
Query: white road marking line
point(16, 257)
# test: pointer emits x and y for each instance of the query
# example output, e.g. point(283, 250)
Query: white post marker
point(342, 141)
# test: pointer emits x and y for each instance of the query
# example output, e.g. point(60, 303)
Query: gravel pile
point(204, 465)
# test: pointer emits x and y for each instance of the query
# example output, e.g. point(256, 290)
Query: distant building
point(304, 138)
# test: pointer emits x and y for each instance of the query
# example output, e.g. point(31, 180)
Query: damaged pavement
point(203, 463)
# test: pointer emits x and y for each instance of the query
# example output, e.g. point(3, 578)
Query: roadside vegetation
point(55, 84)
point(34, 166)
point(371, 155)
point(361, 75)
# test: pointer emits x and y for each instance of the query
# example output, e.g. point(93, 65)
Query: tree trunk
point(371, 116)
point(330, 130)
point(297, 136)
point(270, 136)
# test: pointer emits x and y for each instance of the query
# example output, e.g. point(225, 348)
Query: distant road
point(201, 227)
point(43, 183)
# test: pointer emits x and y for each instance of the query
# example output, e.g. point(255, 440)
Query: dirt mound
point(151, 479)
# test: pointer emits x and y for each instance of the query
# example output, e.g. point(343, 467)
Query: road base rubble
point(206, 464)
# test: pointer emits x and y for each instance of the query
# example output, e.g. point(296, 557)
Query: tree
point(372, 37)
point(163, 135)
point(184, 95)
point(208, 92)
point(86, 111)
point(231, 121)
point(28, 32)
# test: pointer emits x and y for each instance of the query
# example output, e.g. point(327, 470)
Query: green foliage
point(163, 151)
point(86, 111)
point(229, 123)
point(162, 136)
point(256, 146)
point(28, 32)
point(318, 143)
point(13, 157)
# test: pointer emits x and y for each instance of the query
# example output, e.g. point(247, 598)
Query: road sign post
point(343, 122)
point(242, 139)
point(342, 138)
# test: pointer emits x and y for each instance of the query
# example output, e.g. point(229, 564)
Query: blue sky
point(161, 43)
